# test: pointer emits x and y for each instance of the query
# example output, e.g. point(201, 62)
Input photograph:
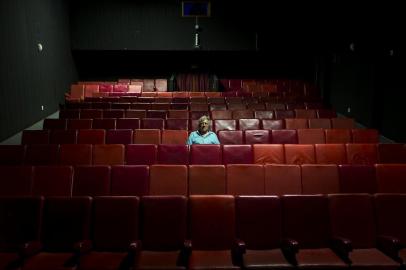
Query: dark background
point(111, 39)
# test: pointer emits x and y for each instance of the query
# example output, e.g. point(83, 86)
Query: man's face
point(204, 126)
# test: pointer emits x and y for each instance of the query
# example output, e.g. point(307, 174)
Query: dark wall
point(29, 78)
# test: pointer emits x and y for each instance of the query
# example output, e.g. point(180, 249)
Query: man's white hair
point(203, 118)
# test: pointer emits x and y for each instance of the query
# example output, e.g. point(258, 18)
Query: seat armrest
point(237, 251)
point(290, 247)
point(342, 247)
point(185, 253)
point(82, 247)
point(30, 248)
point(390, 246)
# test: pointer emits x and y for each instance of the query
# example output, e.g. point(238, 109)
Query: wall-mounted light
point(352, 47)
point(391, 52)
point(39, 46)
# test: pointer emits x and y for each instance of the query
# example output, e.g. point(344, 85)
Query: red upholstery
point(285, 136)
point(128, 123)
point(256, 136)
point(391, 178)
point(262, 238)
point(272, 124)
point(352, 217)
point(302, 113)
point(104, 123)
point(152, 123)
point(357, 178)
point(230, 136)
point(268, 153)
point(224, 125)
point(330, 153)
point(15, 180)
point(140, 113)
point(177, 124)
point(346, 123)
point(91, 136)
point(325, 113)
point(237, 154)
point(299, 154)
point(245, 124)
point(147, 136)
point(63, 136)
point(217, 107)
point(264, 114)
point(129, 180)
point(245, 179)
point(392, 153)
point(222, 114)
point(115, 228)
point(243, 114)
point(178, 137)
point(91, 181)
point(207, 180)
point(164, 226)
point(52, 181)
point(323, 123)
point(338, 136)
point(168, 180)
point(76, 154)
point(54, 124)
point(173, 154)
point(108, 154)
point(320, 179)
point(141, 154)
point(282, 179)
point(283, 114)
point(66, 222)
point(69, 114)
point(91, 113)
point(42, 154)
point(156, 114)
point(178, 114)
point(362, 153)
point(35, 137)
point(296, 123)
point(205, 154)
point(306, 220)
point(80, 123)
point(365, 136)
point(311, 136)
point(119, 136)
point(12, 154)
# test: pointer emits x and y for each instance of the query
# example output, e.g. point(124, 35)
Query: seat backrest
point(178, 137)
point(173, 154)
point(302, 113)
point(282, 179)
point(168, 180)
point(245, 179)
point(16, 180)
point(141, 154)
point(20, 221)
point(365, 136)
point(243, 114)
point(75, 154)
point(69, 114)
point(91, 113)
point(129, 180)
point(361, 153)
point(140, 113)
point(91, 181)
point(119, 136)
point(320, 179)
point(296, 123)
point(52, 181)
point(246, 124)
point(221, 114)
point(283, 114)
point(224, 125)
point(177, 124)
point(284, 136)
point(80, 123)
point(161, 114)
point(230, 136)
point(54, 124)
point(66, 221)
point(259, 136)
point(390, 220)
point(357, 178)
point(299, 154)
point(212, 221)
point(392, 153)
point(330, 153)
point(338, 135)
point(271, 124)
point(311, 136)
point(347, 123)
point(104, 123)
point(108, 154)
point(115, 222)
point(390, 178)
point(12, 154)
point(128, 123)
point(237, 154)
point(152, 123)
point(35, 137)
point(163, 222)
point(91, 136)
point(323, 123)
point(258, 221)
point(268, 153)
point(63, 136)
point(178, 114)
point(352, 217)
point(147, 136)
point(209, 154)
point(207, 180)
point(306, 220)
point(42, 154)
point(326, 113)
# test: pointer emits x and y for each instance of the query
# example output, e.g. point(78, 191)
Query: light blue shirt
point(196, 138)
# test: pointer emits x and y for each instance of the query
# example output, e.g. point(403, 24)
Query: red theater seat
point(330, 153)
point(35, 137)
point(177, 124)
point(130, 180)
point(365, 136)
point(391, 178)
point(246, 124)
point(338, 136)
point(12, 154)
point(264, 114)
point(323, 123)
point(173, 154)
point(299, 154)
point(256, 136)
point(215, 114)
point(147, 136)
point(152, 123)
point(237, 154)
point(141, 154)
point(91, 181)
point(105, 123)
point(108, 154)
point(128, 123)
point(301, 113)
point(91, 113)
point(178, 114)
point(52, 181)
point(207, 180)
point(80, 123)
point(296, 123)
point(15, 181)
point(268, 153)
point(178, 137)
point(272, 124)
point(284, 136)
point(75, 154)
point(392, 153)
point(283, 114)
point(168, 180)
point(346, 123)
point(362, 153)
point(205, 154)
point(281, 179)
point(161, 114)
point(246, 179)
point(243, 114)
point(140, 113)
point(320, 179)
point(54, 124)
point(325, 113)
point(63, 136)
point(119, 136)
point(69, 114)
point(230, 136)
point(42, 154)
point(357, 178)
point(224, 125)
point(91, 136)
point(311, 136)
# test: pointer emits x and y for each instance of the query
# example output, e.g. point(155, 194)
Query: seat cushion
point(265, 259)
point(323, 258)
point(8, 260)
point(159, 260)
point(102, 260)
point(218, 259)
point(371, 258)
point(49, 261)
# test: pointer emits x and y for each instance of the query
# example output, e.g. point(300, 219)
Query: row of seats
point(354, 231)
point(302, 110)
point(234, 179)
point(146, 154)
point(168, 136)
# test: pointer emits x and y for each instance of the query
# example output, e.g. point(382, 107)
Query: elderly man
point(203, 135)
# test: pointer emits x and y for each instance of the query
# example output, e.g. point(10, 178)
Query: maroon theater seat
point(128, 123)
point(392, 153)
point(104, 123)
point(221, 115)
point(12, 154)
point(80, 123)
point(156, 114)
point(224, 125)
point(91, 136)
point(390, 178)
point(119, 136)
point(152, 123)
point(173, 154)
point(141, 154)
point(284, 136)
point(283, 114)
point(177, 124)
point(69, 114)
point(129, 180)
point(299, 154)
point(272, 124)
point(76, 154)
point(365, 136)
point(361, 153)
point(330, 153)
point(16, 180)
point(230, 136)
point(42, 154)
point(168, 180)
point(91, 114)
point(320, 179)
point(205, 154)
point(63, 136)
point(256, 136)
point(35, 137)
point(54, 124)
point(245, 179)
point(52, 181)
point(281, 179)
point(246, 124)
point(357, 178)
point(237, 154)
point(91, 181)
point(207, 180)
